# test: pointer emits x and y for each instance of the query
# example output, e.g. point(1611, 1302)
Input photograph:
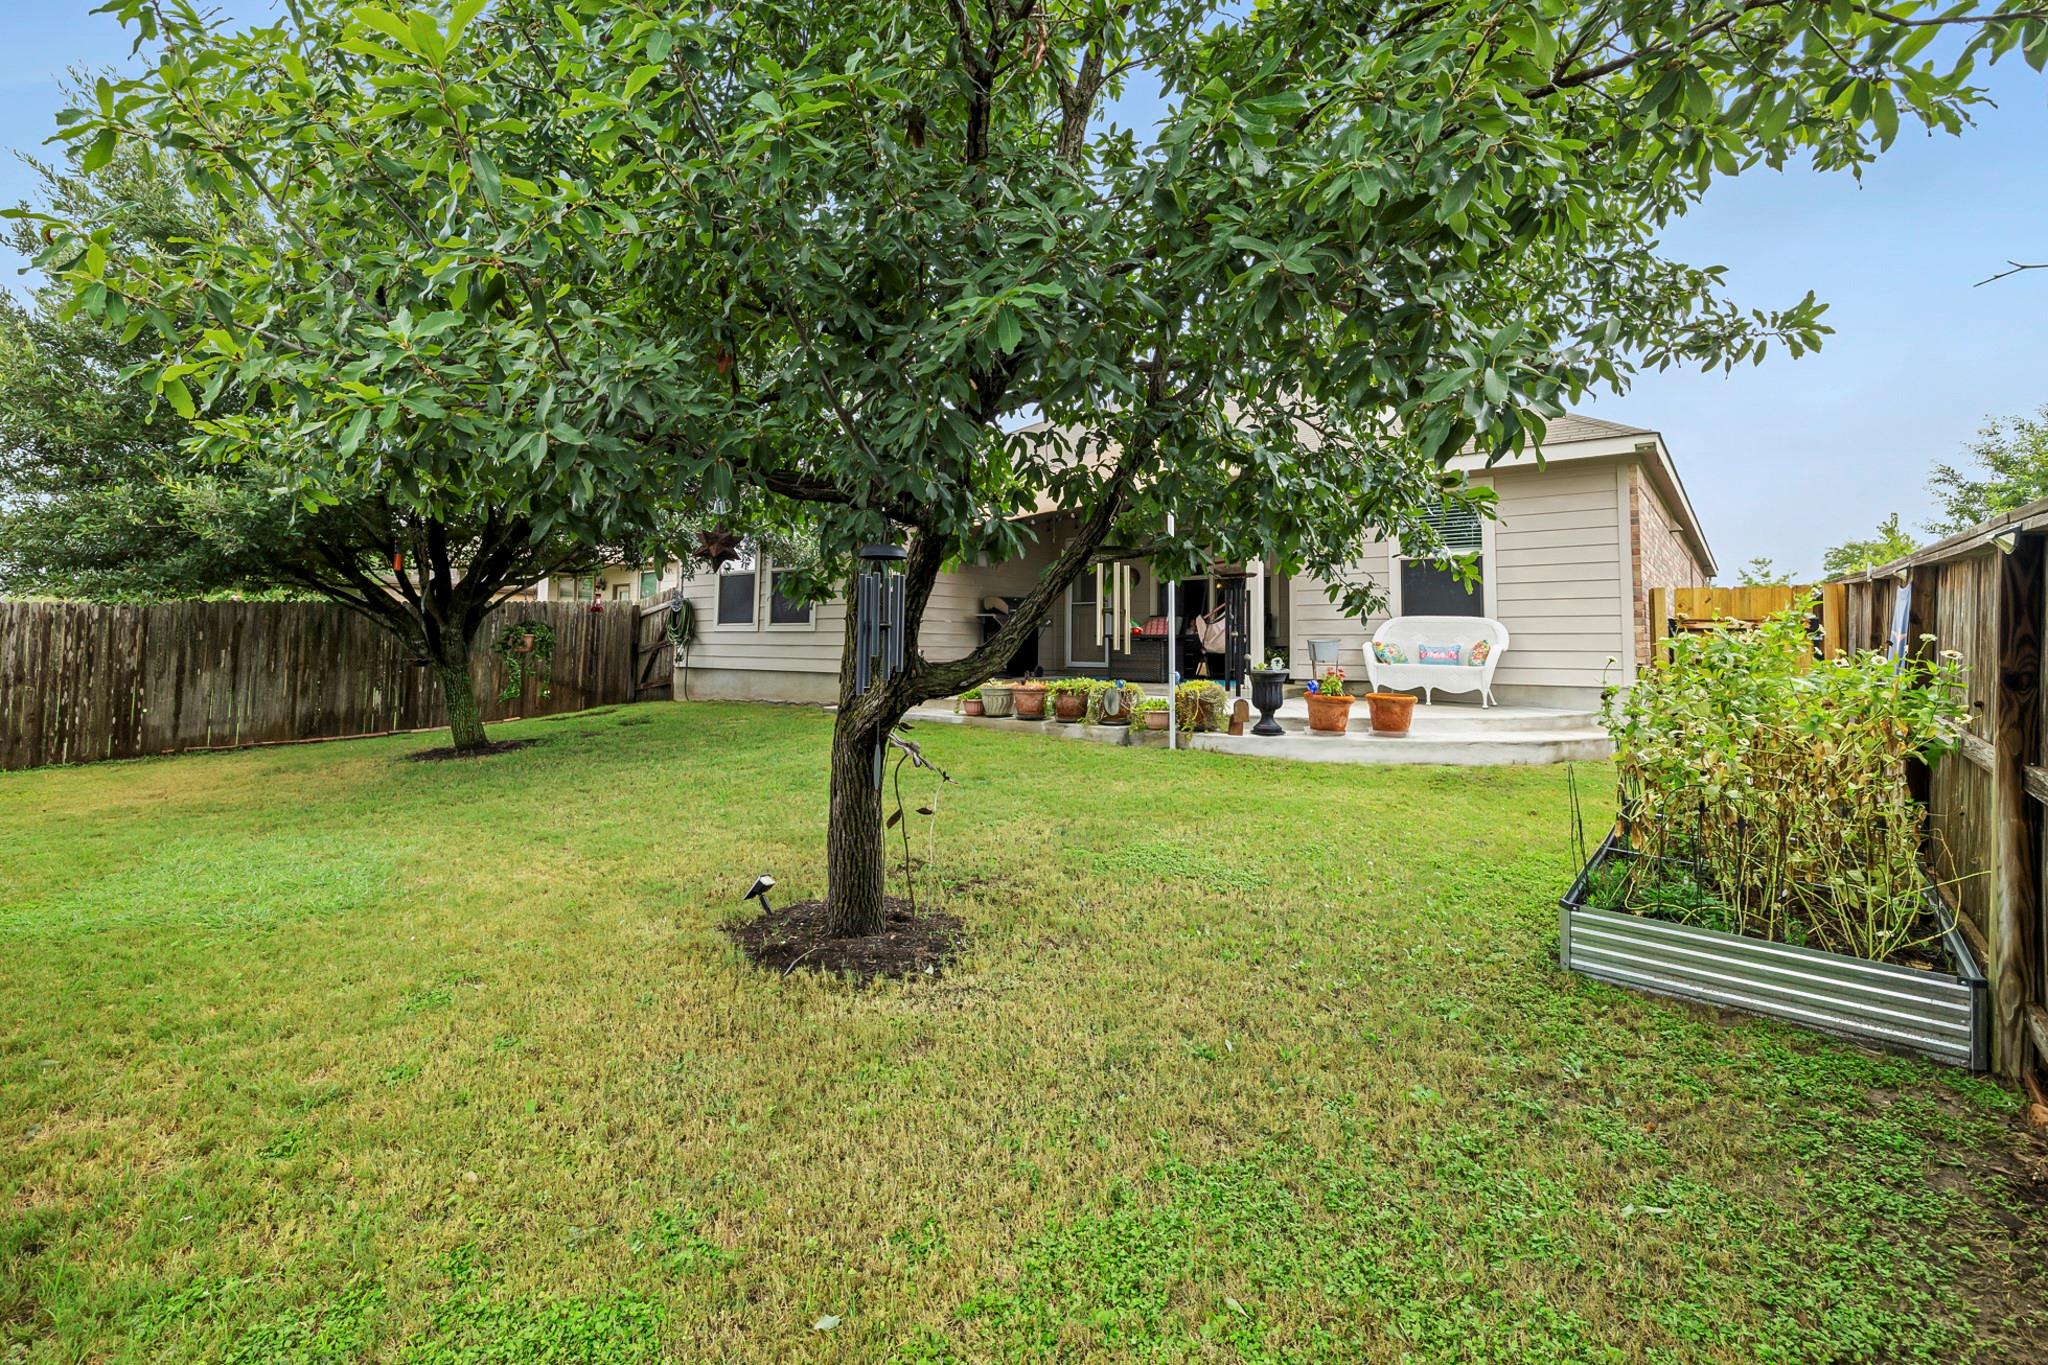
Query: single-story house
point(1566, 565)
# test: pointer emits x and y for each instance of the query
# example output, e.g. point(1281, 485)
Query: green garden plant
point(526, 649)
point(1769, 789)
point(1198, 705)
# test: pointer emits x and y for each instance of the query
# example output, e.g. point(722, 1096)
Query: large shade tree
point(832, 254)
point(265, 381)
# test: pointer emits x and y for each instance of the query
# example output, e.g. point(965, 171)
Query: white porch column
point(1255, 629)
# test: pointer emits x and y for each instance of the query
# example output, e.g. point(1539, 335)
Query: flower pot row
point(1072, 700)
point(1329, 707)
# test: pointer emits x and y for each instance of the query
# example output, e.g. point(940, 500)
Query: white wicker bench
point(1410, 634)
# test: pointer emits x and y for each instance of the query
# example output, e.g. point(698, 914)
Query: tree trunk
point(465, 718)
point(853, 839)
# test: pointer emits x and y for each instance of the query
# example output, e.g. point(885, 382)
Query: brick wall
point(1661, 557)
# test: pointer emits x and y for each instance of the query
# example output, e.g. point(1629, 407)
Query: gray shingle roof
point(1571, 426)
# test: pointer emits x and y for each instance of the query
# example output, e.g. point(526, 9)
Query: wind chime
point(878, 628)
point(1116, 587)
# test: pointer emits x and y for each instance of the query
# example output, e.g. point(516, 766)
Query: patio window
point(785, 611)
point(1456, 524)
point(737, 580)
point(1431, 587)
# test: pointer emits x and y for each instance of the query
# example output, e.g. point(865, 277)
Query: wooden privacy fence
point(1981, 594)
point(81, 682)
point(1679, 610)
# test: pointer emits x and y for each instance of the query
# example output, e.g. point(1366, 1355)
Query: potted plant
point(1029, 696)
point(1329, 705)
point(1269, 689)
point(1154, 711)
point(1198, 705)
point(1112, 705)
point(970, 702)
point(527, 650)
point(1391, 712)
point(997, 699)
point(1070, 697)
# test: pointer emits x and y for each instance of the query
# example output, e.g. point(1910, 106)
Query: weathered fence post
point(2015, 824)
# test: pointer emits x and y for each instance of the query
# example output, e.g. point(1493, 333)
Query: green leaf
point(1009, 330)
point(180, 398)
point(486, 172)
point(637, 82)
point(388, 24)
point(100, 152)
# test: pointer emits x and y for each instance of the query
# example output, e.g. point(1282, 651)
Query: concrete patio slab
point(1462, 736)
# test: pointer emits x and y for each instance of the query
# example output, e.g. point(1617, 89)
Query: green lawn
point(314, 1053)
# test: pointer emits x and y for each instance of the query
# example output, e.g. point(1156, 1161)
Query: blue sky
point(1781, 460)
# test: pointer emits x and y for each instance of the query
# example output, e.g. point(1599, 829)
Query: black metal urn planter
point(1940, 1014)
point(1268, 691)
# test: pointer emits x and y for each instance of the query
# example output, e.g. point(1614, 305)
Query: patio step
point(1455, 721)
point(1506, 736)
point(1476, 749)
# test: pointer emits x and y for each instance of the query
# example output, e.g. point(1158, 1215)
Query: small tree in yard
point(833, 253)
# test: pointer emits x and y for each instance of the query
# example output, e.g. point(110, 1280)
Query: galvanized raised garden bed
point(1939, 1014)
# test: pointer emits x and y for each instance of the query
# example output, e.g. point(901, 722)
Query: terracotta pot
point(1158, 720)
point(1069, 707)
point(997, 701)
point(971, 707)
point(526, 643)
point(1329, 715)
point(1391, 712)
point(1030, 700)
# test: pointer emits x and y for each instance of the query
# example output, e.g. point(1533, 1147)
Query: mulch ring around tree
point(796, 936)
point(495, 746)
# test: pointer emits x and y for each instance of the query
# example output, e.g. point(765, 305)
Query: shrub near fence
point(83, 682)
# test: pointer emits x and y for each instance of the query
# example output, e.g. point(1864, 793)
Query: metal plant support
point(878, 628)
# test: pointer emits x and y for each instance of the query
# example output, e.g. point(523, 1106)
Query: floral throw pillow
point(1437, 654)
point(1389, 653)
point(1480, 653)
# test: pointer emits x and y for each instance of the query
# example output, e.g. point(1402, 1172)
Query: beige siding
point(951, 624)
point(779, 649)
point(1313, 616)
point(1554, 577)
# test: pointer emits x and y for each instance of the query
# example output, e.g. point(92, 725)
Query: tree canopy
point(1854, 556)
point(1762, 572)
point(816, 262)
point(2008, 468)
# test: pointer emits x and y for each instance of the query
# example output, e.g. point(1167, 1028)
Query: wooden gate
point(654, 670)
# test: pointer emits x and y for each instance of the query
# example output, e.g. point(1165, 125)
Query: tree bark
point(853, 838)
point(465, 717)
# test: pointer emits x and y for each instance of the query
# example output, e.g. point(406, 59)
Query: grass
point(314, 1054)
